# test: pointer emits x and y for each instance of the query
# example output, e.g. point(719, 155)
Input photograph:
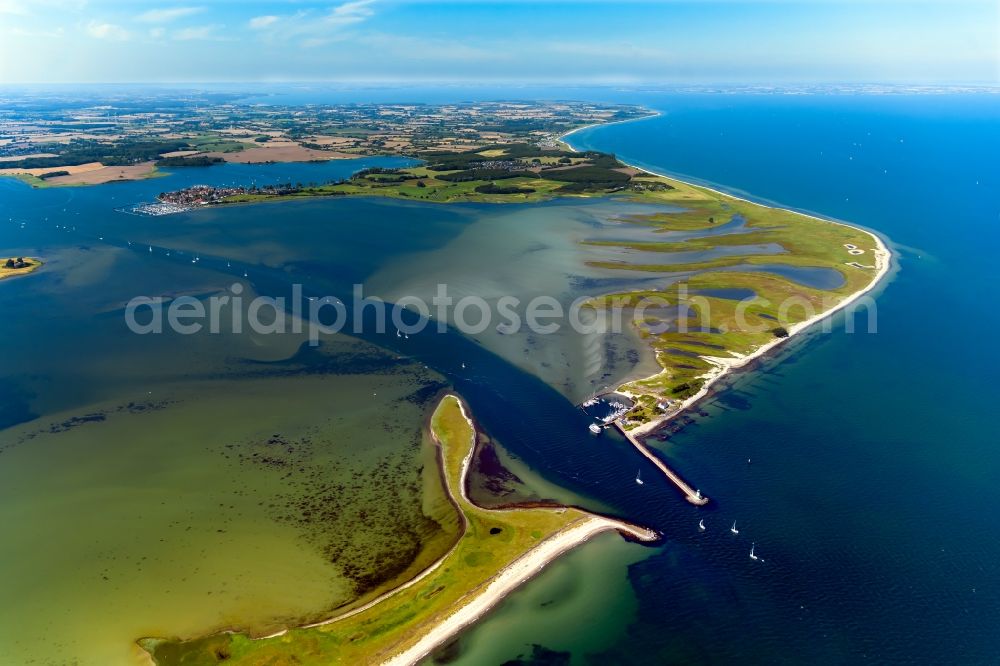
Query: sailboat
point(733, 528)
point(701, 524)
point(752, 555)
point(638, 477)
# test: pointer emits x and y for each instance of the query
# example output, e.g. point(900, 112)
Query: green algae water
point(134, 504)
point(178, 485)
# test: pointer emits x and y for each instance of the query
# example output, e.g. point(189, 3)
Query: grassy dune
point(717, 327)
point(725, 328)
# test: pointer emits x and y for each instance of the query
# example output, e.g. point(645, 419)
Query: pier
point(690, 494)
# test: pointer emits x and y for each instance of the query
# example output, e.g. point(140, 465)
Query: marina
point(155, 209)
point(610, 409)
point(800, 514)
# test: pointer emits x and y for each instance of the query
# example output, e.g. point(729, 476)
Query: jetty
point(690, 494)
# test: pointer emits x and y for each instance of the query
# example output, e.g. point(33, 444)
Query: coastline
point(562, 137)
point(569, 528)
point(724, 366)
point(506, 581)
point(515, 573)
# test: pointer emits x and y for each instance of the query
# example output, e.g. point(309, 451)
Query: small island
point(16, 266)
point(729, 280)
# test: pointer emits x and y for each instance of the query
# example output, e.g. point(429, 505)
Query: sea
point(860, 466)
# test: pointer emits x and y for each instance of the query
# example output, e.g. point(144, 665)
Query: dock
point(690, 494)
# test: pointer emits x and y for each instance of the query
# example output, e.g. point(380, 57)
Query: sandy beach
point(726, 364)
point(514, 574)
point(723, 365)
point(509, 579)
point(481, 600)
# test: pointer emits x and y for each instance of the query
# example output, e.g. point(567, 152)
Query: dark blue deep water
point(873, 484)
point(872, 491)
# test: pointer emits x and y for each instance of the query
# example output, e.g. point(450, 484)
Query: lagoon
point(871, 487)
point(850, 487)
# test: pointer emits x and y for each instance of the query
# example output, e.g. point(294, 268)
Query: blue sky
point(740, 41)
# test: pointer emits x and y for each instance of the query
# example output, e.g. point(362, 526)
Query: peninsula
point(725, 280)
point(734, 278)
point(495, 551)
point(499, 173)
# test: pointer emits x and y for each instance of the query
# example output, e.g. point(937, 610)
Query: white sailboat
point(733, 528)
point(752, 555)
point(638, 477)
point(701, 524)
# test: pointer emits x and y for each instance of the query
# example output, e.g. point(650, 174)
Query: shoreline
point(724, 366)
point(480, 599)
point(506, 581)
point(14, 273)
point(515, 573)
point(562, 137)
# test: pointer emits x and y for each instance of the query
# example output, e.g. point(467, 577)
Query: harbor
point(692, 495)
point(617, 407)
point(155, 209)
